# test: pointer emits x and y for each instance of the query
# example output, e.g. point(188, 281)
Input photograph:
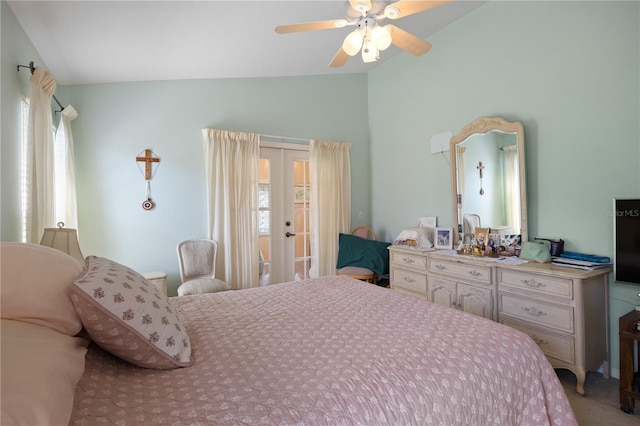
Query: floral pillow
point(129, 317)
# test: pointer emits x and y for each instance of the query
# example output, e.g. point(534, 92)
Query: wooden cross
point(148, 159)
point(481, 168)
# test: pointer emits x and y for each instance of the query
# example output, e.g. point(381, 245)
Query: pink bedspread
point(330, 351)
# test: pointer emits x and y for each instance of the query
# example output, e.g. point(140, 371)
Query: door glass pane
point(264, 219)
point(301, 194)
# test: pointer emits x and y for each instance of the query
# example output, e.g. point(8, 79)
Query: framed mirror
point(488, 178)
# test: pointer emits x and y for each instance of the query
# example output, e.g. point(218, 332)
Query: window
point(24, 179)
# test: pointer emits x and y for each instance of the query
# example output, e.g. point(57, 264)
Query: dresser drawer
point(468, 272)
point(560, 347)
point(409, 260)
point(409, 280)
point(534, 311)
point(543, 284)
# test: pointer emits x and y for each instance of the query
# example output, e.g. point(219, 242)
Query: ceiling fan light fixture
point(353, 42)
point(381, 37)
point(369, 52)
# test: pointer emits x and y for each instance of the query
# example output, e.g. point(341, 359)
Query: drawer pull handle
point(408, 260)
point(441, 267)
point(534, 312)
point(533, 283)
point(409, 279)
point(475, 273)
point(538, 340)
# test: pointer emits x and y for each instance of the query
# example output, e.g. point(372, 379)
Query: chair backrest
point(197, 259)
point(470, 222)
point(364, 232)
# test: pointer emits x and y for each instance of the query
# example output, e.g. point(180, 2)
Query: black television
point(626, 234)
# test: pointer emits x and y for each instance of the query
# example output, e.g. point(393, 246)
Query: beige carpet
point(601, 404)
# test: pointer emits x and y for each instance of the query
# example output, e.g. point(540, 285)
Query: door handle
point(289, 234)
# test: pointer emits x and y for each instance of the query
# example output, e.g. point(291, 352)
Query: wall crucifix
point(151, 161)
point(480, 169)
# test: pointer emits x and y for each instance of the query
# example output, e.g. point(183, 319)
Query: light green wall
point(569, 71)
point(117, 121)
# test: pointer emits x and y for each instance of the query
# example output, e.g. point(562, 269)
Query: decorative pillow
point(36, 285)
point(129, 317)
point(41, 368)
point(356, 251)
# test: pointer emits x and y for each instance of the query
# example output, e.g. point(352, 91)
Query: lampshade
point(381, 37)
point(369, 51)
point(65, 240)
point(352, 42)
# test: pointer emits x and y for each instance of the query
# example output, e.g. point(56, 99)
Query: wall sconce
point(62, 239)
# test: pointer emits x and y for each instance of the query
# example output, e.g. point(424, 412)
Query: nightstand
point(157, 278)
point(629, 335)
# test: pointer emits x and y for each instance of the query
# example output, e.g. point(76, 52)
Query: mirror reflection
point(488, 178)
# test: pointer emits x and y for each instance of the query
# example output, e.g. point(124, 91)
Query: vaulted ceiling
point(84, 42)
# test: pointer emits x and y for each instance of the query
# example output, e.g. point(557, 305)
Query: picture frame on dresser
point(427, 221)
point(444, 238)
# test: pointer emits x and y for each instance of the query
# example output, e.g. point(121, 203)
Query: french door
point(284, 229)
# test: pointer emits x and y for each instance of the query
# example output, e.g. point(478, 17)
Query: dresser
point(564, 310)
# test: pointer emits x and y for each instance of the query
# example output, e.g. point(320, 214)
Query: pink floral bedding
point(329, 351)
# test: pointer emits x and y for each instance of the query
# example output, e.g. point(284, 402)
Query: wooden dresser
point(564, 310)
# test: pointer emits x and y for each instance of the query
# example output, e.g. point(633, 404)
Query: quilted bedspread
point(329, 351)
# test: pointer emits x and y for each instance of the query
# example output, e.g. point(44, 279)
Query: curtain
point(66, 204)
point(231, 166)
point(460, 165)
point(40, 156)
point(511, 187)
point(330, 178)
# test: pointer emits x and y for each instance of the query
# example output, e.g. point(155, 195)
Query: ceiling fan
point(369, 36)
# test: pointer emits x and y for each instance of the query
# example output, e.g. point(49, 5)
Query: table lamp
point(65, 240)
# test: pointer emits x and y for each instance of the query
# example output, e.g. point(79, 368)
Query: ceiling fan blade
point(311, 26)
point(408, 41)
point(403, 8)
point(362, 6)
point(340, 59)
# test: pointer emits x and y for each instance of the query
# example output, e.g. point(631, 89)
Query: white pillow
point(420, 237)
point(130, 317)
point(36, 286)
point(40, 370)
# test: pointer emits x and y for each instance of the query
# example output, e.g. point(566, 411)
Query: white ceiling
point(85, 42)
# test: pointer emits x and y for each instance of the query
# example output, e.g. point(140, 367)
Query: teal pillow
point(356, 251)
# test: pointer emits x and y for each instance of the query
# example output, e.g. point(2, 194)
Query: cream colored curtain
point(65, 176)
point(511, 186)
point(40, 156)
point(330, 176)
point(231, 165)
point(460, 165)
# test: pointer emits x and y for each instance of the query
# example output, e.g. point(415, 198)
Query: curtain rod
point(285, 138)
point(32, 68)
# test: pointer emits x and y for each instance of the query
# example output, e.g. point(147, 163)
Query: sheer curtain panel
point(330, 176)
point(65, 176)
point(511, 186)
point(40, 209)
point(231, 165)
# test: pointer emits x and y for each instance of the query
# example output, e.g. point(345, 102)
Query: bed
point(330, 350)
